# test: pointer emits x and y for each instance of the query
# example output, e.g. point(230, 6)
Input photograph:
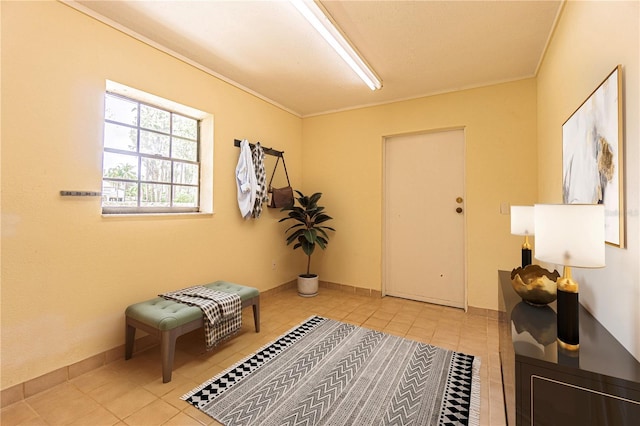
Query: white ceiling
point(418, 48)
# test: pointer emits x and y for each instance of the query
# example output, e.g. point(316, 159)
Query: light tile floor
point(132, 393)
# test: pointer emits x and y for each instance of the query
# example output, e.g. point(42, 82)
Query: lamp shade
point(522, 222)
point(570, 234)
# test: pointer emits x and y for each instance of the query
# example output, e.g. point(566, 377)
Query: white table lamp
point(571, 235)
point(522, 223)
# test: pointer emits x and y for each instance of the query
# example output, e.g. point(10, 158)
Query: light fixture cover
point(321, 21)
point(522, 220)
point(570, 234)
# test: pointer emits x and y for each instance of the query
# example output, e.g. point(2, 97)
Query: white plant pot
point(308, 286)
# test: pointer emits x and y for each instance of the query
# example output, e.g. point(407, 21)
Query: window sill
point(157, 215)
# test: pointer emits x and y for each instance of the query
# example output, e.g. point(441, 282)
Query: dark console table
point(545, 385)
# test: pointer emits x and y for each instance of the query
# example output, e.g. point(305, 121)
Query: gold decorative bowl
point(535, 285)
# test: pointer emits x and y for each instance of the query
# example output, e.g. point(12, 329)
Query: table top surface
point(533, 332)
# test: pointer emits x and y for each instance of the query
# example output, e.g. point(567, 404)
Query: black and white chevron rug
point(328, 372)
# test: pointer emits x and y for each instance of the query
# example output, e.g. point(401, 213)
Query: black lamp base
point(568, 320)
point(526, 257)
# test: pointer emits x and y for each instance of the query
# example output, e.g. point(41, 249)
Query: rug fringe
point(474, 405)
point(243, 360)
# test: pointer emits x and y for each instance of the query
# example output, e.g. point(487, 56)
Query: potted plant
point(307, 232)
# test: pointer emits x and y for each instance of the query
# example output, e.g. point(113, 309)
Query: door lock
point(459, 210)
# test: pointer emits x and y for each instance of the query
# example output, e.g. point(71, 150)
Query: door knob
point(459, 200)
point(459, 210)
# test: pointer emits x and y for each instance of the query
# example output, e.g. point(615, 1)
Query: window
point(151, 158)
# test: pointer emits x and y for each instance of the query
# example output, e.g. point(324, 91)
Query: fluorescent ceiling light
point(321, 22)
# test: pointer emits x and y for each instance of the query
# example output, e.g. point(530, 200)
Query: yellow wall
point(343, 157)
point(591, 39)
point(67, 272)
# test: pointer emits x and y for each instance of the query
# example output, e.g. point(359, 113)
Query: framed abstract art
point(593, 155)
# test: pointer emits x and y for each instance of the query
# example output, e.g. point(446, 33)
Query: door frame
point(385, 267)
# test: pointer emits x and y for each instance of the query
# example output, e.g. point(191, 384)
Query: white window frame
point(205, 155)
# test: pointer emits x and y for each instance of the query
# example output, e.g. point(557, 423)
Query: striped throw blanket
point(222, 311)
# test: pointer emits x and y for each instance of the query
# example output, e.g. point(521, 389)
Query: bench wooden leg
point(256, 314)
point(129, 341)
point(167, 350)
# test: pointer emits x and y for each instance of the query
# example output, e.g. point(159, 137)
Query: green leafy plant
point(308, 230)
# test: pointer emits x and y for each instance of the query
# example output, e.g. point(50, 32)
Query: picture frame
point(593, 155)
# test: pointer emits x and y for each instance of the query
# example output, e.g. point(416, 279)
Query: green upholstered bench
point(167, 320)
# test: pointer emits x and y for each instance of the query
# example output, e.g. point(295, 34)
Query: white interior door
point(424, 217)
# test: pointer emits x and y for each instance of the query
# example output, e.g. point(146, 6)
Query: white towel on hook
point(246, 180)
